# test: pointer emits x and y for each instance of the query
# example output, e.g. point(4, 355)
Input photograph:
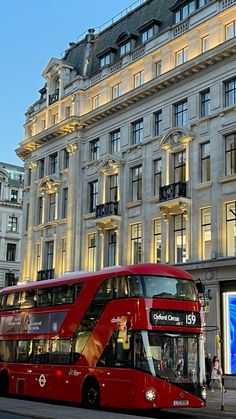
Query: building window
point(11, 252)
point(231, 228)
point(230, 154)
point(38, 254)
point(93, 195)
point(63, 254)
point(180, 238)
point(230, 30)
point(157, 240)
point(157, 176)
point(230, 92)
point(180, 166)
point(138, 79)
point(10, 279)
point(49, 254)
point(136, 243)
point(137, 131)
point(147, 34)
point(116, 90)
point(40, 210)
point(14, 195)
point(113, 188)
point(55, 118)
point(27, 217)
point(52, 207)
point(125, 47)
point(205, 103)
point(96, 101)
point(137, 183)
point(158, 122)
point(183, 12)
point(41, 168)
point(181, 56)
point(67, 112)
point(111, 248)
point(105, 60)
point(158, 68)
point(205, 43)
point(181, 114)
point(64, 202)
point(92, 252)
point(205, 162)
point(66, 159)
point(12, 224)
point(115, 141)
point(206, 233)
point(94, 149)
point(53, 164)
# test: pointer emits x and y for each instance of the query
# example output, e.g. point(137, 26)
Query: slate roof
point(151, 9)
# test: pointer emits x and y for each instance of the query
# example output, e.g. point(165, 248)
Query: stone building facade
point(11, 213)
point(130, 153)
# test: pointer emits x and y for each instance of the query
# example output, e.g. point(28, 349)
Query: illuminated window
point(137, 131)
point(205, 103)
point(157, 176)
point(157, 240)
point(230, 92)
point(230, 30)
point(181, 56)
point(14, 195)
point(136, 243)
point(136, 183)
point(116, 90)
point(113, 189)
point(205, 162)
point(181, 114)
point(138, 79)
point(180, 166)
point(92, 252)
point(12, 224)
point(230, 154)
point(111, 247)
point(115, 141)
point(231, 228)
point(206, 233)
point(179, 239)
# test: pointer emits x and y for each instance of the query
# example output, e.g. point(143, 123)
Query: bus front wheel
point(91, 394)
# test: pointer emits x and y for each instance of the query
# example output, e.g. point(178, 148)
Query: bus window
point(44, 297)
point(63, 294)
point(60, 351)
point(1, 300)
point(122, 287)
point(108, 290)
point(8, 350)
point(77, 289)
point(135, 286)
point(41, 349)
point(10, 301)
point(22, 351)
point(28, 299)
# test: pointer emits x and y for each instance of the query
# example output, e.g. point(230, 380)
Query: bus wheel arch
point(91, 393)
point(4, 383)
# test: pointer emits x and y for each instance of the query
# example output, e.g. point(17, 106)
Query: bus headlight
point(204, 393)
point(150, 394)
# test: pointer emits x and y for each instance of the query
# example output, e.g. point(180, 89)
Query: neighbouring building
point(11, 213)
point(130, 153)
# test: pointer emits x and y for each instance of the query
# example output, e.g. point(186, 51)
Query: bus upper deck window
point(28, 299)
point(44, 297)
point(135, 286)
point(63, 294)
point(10, 301)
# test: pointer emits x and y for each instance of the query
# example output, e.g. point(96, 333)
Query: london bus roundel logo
point(42, 380)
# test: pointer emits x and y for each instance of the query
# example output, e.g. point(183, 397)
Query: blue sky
point(32, 32)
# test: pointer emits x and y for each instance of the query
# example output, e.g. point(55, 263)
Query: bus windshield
point(173, 357)
point(168, 287)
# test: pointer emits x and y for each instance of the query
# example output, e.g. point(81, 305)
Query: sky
point(31, 33)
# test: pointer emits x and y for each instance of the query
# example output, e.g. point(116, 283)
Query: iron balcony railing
point(45, 274)
point(109, 208)
point(172, 191)
point(54, 97)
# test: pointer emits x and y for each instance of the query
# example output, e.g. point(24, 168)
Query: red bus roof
point(72, 277)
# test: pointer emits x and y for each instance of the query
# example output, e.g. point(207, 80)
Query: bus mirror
point(126, 342)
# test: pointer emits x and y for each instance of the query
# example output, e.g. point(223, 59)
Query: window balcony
point(54, 97)
point(109, 208)
point(173, 191)
point(45, 274)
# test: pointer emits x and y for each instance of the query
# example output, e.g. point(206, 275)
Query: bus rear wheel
point(91, 394)
point(4, 384)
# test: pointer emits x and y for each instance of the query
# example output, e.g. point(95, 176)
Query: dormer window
point(125, 47)
point(105, 60)
point(186, 9)
point(149, 29)
point(106, 57)
point(125, 42)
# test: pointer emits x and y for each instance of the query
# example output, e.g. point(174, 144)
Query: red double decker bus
point(124, 337)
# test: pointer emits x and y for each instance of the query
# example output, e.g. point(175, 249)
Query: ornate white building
point(131, 152)
point(11, 213)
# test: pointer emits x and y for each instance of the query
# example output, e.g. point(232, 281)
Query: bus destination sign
point(174, 318)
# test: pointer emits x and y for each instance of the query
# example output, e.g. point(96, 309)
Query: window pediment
point(175, 137)
point(49, 185)
point(110, 164)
